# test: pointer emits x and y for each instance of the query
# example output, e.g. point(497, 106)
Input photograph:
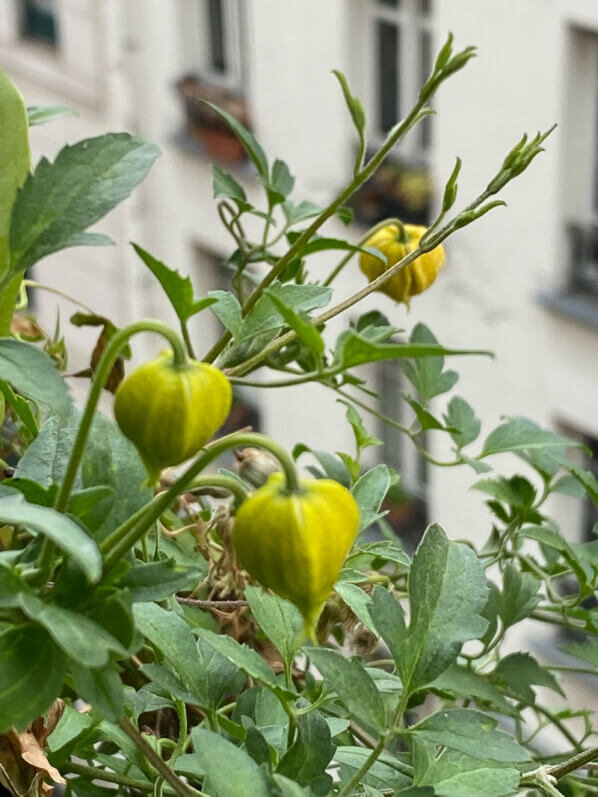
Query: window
point(407, 501)
point(38, 21)
point(401, 60)
point(222, 45)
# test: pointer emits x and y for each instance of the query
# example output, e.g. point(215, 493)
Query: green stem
point(545, 776)
point(187, 338)
point(363, 769)
point(364, 238)
point(113, 349)
point(121, 541)
point(565, 668)
point(95, 773)
point(169, 776)
point(361, 177)
point(233, 486)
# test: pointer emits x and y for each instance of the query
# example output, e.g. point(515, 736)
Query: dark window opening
point(39, 21)
point(388, 47)
point(218, 59)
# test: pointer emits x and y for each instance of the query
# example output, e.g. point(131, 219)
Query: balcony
point(206, 133)
point(578, 299)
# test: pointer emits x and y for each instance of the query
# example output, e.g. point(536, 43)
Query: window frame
point(412, 26)
point(232, 77)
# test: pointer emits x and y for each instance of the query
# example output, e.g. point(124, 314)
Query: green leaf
point(11, 584)
point(384, 774)
point(265, 317)
point(21, 407)
point(179, 289)
point(456, 775)
point(32, 671)
point(354, 349)
point(227, 310)
point(519, 595)
point(304, 210)
point(521, 434)
point(109, 460)
point(281, 183)
point(447, 592)
point(588, 481)
point(84, 641)
point(85, 181)
point(229, 770)
point(279, 620)
point(305, 330)
point(14, 167)
point(171, 634)
point(470, 685)
point(167, 682)
point(102, 689)
point(460, 417)
point(155, 581)
point(71, 725)
point(586, 651)
point(352, 684)
point(63, 532)
point(428, 376)
point(40, 114)
point(319, 243)
point(309, 755)
point(224, 184)
point(33, 373)
point(250, 145)
point(358, 601)
point(472, 733)
point(425, 418)
point(369, 492)
point(363, 439)
point(519, 671)
point(245, 658)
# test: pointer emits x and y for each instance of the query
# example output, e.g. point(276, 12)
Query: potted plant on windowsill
point(397, 190)
point(205, 125)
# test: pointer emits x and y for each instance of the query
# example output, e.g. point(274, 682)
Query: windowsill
point(42, 64)
point(192, 146)
point(577, 307)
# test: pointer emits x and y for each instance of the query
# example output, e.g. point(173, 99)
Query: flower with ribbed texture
point(395, 243)
point(295, 543)
point(170, 411)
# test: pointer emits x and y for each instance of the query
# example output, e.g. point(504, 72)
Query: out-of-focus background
point(522, 282)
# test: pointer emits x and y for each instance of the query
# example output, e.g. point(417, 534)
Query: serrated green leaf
point(454, 774)
point(309, 755)
point(281, 183)
point(102, 689)
point(519, 596)
point(358, 601)
point(472, 733)
point(428, 376)
point(155, 581)
point(352, 684)
point(519, 671)
point(304, 210)
point(86, 180)
point(470, 685)
point(69, 727)
point(179, 289)
point(363, 439)
point(463, 422)
point(384, 774)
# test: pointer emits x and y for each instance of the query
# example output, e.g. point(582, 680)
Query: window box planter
point(205, 125)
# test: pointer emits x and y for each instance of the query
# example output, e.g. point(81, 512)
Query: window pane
point(425, 7)
point(39, 20)
point(391, 3)
point(425, 46)
point(388, 45)
point(217, 42)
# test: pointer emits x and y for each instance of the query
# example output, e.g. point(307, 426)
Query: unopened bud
point(255, 466)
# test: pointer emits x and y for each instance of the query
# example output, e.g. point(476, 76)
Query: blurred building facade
point(522, 282)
